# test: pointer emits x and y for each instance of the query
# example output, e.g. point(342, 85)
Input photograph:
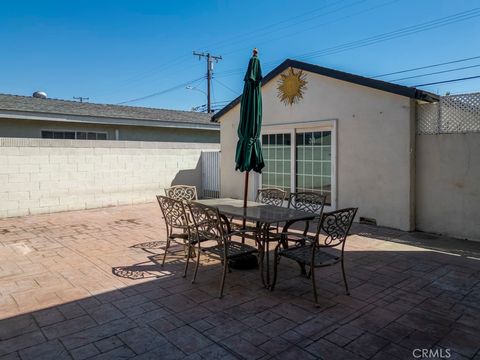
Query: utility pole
point(210, 60)
point(80, 98)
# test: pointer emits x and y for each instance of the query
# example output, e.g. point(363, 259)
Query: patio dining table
point(263, 216)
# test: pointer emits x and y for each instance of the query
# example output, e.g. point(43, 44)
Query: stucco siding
point(448, 184)
point(32, 129)
point(374, 144)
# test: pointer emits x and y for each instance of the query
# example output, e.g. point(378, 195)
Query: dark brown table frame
point(264, 216)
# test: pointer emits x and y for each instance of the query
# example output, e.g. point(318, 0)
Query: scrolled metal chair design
point(271, 196)
point(311, 202)
point(211, 226)
point(335, 226)
point(182, 192)
point(177, 225)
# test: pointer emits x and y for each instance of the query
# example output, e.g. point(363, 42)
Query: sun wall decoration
point(291, 86)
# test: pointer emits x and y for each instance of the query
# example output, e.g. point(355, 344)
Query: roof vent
point(40, 95)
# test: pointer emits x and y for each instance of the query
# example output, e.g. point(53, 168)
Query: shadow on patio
point(59, 298)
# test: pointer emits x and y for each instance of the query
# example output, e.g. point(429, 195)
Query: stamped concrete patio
point(78, 285)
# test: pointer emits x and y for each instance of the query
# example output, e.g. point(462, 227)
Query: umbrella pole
point(245, 196)
point(245, 190)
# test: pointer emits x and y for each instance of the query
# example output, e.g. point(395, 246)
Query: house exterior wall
point(32, 129)
point(448, 184)
point(44, 175)
point(375, 145)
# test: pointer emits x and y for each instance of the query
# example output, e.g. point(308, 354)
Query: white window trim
point(292, 128)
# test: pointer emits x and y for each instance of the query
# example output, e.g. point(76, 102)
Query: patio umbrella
point(248, 155)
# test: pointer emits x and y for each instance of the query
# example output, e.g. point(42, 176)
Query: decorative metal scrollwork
point(271, 196)
point(207, 222)
point(173, 211)
point(336, 225)
point(182, 192)
point(307, 201)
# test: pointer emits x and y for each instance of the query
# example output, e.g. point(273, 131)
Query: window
point(277, 153)
point(299, 159)
point(58, 134)
point(79, 135)
point(314, 162)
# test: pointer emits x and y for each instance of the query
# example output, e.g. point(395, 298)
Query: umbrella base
point(246, 262)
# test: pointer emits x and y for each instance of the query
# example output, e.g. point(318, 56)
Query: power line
point(257, 34)
point(226, 87)
point(161, 92)
point(448, 81)
point(174, 63)
point(437, 72)
point(426, 67)
point(410, 30)
point(291, 34)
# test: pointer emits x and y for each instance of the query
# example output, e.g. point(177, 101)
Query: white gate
point(211, 174)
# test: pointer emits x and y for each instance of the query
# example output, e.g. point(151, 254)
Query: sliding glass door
point(277, 150)
point(300, 160)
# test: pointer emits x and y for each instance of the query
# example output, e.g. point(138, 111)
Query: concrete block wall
point(448, 184)
point(44, 175)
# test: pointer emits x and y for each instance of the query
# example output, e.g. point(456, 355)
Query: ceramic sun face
point(291, 86)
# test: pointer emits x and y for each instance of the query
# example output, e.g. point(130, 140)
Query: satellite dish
point(40, 95)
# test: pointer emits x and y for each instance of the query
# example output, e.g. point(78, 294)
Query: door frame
point(293, 128)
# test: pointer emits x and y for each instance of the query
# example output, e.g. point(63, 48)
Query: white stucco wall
point(44, 176)
point(375, 145)
point(448, 184)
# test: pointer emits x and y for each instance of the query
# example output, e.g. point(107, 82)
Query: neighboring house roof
point(410, 92)
point(27, 107)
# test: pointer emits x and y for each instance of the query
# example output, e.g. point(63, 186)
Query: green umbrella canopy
point(249, 149)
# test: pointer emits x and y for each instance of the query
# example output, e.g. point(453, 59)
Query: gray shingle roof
point(67, 107)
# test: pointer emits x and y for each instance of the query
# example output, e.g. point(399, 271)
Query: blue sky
point(115, 51)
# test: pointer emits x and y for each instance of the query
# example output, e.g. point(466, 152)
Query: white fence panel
point(211, 174)
point(453, 114)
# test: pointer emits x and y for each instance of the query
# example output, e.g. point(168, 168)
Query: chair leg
point(196, 266)
point(224, 274)
point(314, 285)
point(166, 249)
point(261, 256)
point(276, 261)
point(189, 252)
point(345, 278)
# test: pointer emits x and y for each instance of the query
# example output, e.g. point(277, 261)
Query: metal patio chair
point(177, 226)
point(311, 202)
point(211, 227)
point(309, 250)
point(182, 192)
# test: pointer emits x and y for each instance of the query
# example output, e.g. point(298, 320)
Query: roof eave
point(26, 115)
point(401, 90)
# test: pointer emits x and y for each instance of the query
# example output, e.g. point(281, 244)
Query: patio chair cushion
point(234, 249)
point(303, 254)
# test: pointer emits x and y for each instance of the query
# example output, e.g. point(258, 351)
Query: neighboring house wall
point(375, 145)
point(448, 184)
point(43, 175)
point(32, 129)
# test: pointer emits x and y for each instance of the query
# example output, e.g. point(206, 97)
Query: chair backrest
point(311, 202)
point(207, 222)
point(173, 212)
point(271, 196)
point(335, 225)
point(182, 192)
